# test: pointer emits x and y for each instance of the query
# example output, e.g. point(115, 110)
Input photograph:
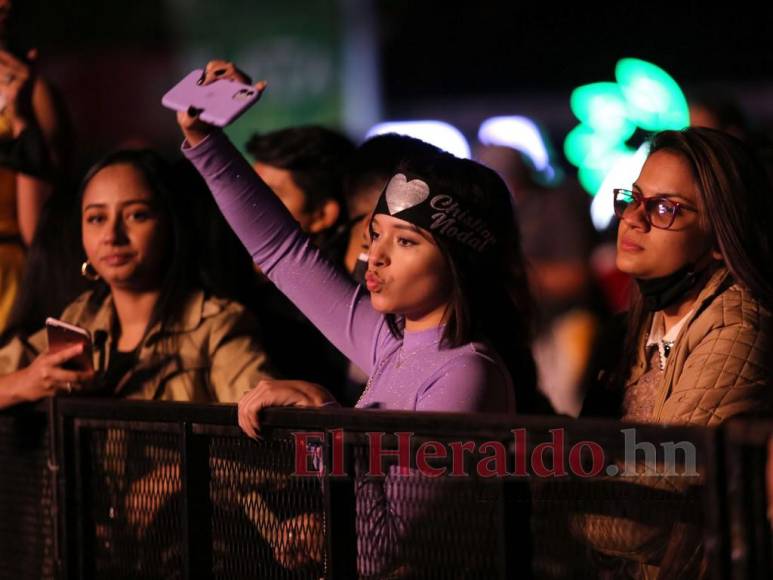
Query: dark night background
point(500, 48)
point(459, 62)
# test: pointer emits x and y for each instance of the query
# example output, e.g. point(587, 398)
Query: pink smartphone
point(220, 102)
point(62, 335)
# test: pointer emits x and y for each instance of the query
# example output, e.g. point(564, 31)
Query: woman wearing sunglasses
point(694, 235)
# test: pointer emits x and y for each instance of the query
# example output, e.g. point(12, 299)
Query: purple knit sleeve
point(319, 288)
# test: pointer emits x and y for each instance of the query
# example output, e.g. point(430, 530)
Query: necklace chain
point(400, 359)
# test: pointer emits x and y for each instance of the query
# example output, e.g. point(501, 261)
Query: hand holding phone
point(65, 367)
point(62, 335)
point(219, 102)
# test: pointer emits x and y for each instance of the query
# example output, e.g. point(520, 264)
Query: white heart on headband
point(402, 194)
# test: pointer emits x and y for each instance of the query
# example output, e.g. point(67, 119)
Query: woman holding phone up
point(442, 324)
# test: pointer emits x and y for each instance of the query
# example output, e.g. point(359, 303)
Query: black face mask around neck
point(659, 293)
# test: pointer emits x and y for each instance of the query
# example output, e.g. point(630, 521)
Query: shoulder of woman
point(734, 306)
point(221, 316)
point(476, 360)
point(205, 314)
point(83, 309)
point(216, 306)
point(468, 382)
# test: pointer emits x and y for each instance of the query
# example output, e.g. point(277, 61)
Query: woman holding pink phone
point(446, 309)
point(442, 324)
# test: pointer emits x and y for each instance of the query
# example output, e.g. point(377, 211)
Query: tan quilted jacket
point(215, 356)
point(722, 362)
point(721, 366)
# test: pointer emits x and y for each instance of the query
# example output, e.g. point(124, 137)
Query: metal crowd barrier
point(97, 488)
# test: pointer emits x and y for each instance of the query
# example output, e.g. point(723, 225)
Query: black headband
point(438, 213)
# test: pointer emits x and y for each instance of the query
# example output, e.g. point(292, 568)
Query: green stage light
point(602, 106)
point(644, 97)
point(655, 101)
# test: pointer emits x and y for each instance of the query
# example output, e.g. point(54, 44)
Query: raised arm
point(319, 288)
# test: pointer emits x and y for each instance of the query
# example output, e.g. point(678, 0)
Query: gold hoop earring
point(88, 271)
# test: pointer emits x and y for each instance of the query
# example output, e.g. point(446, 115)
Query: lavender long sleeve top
point(409, 373)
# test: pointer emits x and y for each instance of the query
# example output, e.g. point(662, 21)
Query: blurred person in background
point(557, 242)
point(52, 277)
point(35, 138)
point(305, 168)
point(717, 110)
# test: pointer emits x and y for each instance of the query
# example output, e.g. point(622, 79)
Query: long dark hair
point(490, 297)
point(736, 205)
point(180, 274)
point(51, 278)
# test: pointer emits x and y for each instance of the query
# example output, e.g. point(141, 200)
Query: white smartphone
point(220, 102)
point(62, 335)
